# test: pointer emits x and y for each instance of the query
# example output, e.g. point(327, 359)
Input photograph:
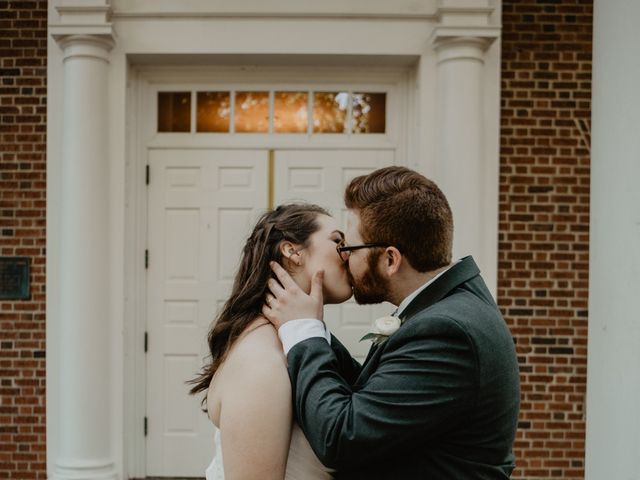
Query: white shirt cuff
point(295, 331)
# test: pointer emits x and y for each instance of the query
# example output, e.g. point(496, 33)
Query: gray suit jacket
point(438, 399)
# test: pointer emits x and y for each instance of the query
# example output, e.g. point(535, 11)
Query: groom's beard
point(372, 287)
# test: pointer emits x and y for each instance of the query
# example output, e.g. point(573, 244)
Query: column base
point(84, 470)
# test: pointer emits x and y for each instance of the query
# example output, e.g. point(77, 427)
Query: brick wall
point(544, 225)
point(23, 61)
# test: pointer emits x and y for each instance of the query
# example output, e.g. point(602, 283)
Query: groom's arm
point(423, 384)
point(302, 329)
point(348, 367)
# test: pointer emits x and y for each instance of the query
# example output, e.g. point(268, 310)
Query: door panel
point(200, 204)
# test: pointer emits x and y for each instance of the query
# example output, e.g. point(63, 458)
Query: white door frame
point(143, 84)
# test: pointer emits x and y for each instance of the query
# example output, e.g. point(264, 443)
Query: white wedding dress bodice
point(215, 470)
point(302, 463)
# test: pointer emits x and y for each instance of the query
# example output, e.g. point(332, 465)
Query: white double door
point(202, 205)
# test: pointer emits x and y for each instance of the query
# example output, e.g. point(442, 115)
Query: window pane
point(290, 112)
point(252, 112)
point(214, 111)
point(174, 111)
point(369, 112)
point(330, 112)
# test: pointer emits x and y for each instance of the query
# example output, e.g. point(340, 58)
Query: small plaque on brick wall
point(14, 278)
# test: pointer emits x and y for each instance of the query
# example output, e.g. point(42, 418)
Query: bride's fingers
point(270, 299)
point(285, 279)
point(275, 287)
point(316, 285)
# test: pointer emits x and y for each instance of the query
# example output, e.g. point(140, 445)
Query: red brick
point(22, 179)
point(552, 158)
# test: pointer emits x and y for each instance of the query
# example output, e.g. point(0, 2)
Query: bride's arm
point(256, 413)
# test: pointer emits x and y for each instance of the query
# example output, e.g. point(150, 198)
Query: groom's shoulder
point(454, 301)
point(462, 318)
point(457, 311)
point(429, 322)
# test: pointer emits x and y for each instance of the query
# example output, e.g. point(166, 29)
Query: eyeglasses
point(345, 251)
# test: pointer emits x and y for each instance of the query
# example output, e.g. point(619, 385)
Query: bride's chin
point(338, 297)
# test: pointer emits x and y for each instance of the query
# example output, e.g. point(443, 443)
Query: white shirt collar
point(405, 303)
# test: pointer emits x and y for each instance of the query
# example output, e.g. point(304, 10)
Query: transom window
point(272, 111)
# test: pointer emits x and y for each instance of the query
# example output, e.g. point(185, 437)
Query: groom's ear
point(393, 260)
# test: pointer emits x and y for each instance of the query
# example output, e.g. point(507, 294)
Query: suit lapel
point(372, 350)
point(461, 272)
point(369, 364)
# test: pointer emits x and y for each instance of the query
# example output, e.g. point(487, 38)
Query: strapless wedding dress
point(302, 463)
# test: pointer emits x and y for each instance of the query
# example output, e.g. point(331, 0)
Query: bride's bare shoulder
point(255, 357)
point(258, 343)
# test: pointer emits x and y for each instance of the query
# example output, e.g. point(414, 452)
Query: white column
point(84, 448)
point(468, 178)
point(613, 370)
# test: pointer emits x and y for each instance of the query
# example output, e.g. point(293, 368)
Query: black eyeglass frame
point(350, 248)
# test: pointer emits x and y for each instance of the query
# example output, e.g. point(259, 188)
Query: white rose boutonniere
point(383, 327)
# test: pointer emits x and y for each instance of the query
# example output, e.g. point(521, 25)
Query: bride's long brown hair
point(294, 223)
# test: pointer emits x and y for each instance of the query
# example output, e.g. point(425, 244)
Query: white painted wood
point(201, 206)
point(320, 177)
point(83, 447)
point(293, 8)
point(219, 35)
point(613, 367)
point(467, 176)
point(181, 38)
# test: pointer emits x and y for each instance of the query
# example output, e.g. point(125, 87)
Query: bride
point(248, 394)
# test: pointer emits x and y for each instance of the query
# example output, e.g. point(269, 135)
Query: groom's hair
point(402, 208)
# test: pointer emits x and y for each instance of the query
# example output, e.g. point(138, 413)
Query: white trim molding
point(85, 46)
point(336, 9)
point(89, 17)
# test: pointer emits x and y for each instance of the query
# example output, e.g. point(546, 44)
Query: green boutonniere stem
point(376, 338)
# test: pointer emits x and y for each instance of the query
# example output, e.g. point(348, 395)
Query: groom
point(438, 397)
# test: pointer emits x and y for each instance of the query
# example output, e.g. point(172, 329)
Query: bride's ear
point(291, 252)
